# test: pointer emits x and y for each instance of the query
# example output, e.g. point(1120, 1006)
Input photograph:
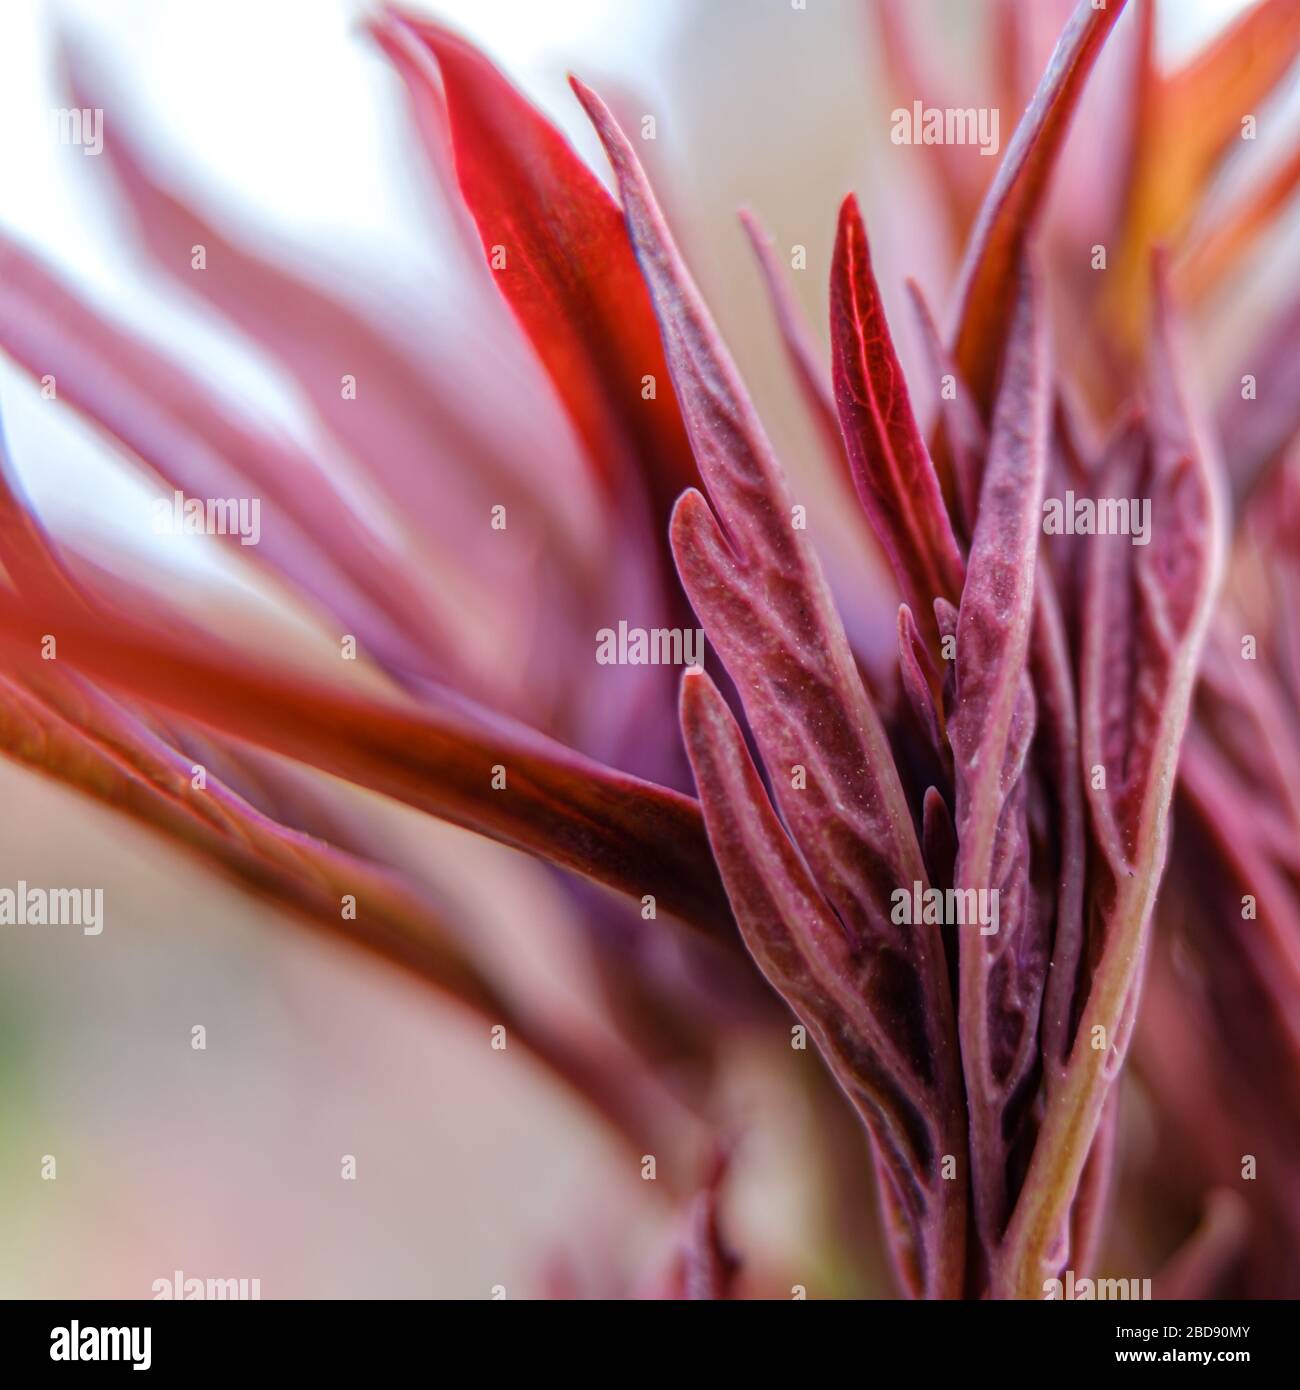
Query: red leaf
point(1014, 202)
point(895, 478)
point(568, 273)
point(997, 602)
point(628, 834)
point(1002, 976)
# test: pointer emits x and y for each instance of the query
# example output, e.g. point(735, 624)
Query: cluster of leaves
point(1028, 743)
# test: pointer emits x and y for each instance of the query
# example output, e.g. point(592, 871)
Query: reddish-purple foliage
point(1026, 755)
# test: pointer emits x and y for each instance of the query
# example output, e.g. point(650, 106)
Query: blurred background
point(284, 120)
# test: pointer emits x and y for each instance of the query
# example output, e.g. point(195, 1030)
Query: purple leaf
point(802, 948)
point(990, 728)
point(1145, 614)
point(756, 584)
